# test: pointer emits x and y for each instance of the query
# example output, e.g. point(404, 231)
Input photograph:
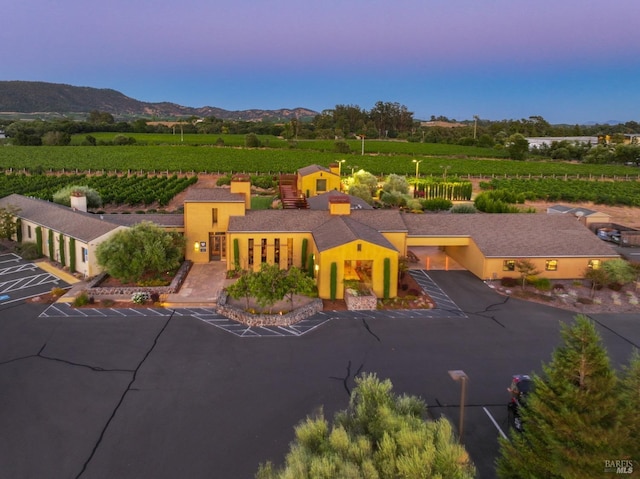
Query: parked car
point(520, 388)
point(609, 234)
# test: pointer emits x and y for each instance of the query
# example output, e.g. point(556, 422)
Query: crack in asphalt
point(122, 397)
point(366, 326)
point(489, 309)
point(64, 361)
point(348, 375)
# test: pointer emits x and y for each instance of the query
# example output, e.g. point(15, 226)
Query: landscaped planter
point(356, 301)
point(249, 319)
point(96, 291)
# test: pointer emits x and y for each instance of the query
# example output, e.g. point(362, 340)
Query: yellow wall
point(307, 183)
point(243, 246)
point(242, 186)
point(438, 241)
point(567, 268)
point(198, 223)
point(349, 251)
point(398, 240)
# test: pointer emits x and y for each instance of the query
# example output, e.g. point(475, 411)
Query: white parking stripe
point(494, 423)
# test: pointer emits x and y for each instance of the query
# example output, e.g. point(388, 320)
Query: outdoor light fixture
point(196, 246)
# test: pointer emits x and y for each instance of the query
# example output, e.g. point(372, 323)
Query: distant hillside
point(54, 98)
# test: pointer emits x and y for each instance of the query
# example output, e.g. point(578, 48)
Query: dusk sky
point(569, 61)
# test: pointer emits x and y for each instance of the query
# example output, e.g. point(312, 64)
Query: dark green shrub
point(387, 278)
point(29, 251)
point(437, 204)
point(224, 180)
point(236, 254)
point(264, 182)
point(543, 284)
point(82, 299)
point(464, 209)
point(508, 282)
point(341, 147)
point(334, 281)
point(72, 254)
point(251, 140)
point(305, 243)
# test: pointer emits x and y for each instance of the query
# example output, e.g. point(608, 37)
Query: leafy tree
point(600, 154)
point(251, 140)
point(56, 138)
point(63, 195)
point(99, 117)
point(144, 250)
point(297, 281)
point(8, 221)
point(618, 271)
point(396, 183)
point(268, 285)
point(598, 278)
point(379, 435)
point(572, 421)
point(527, 269)
point(367, 179)
point(242, 287)
point(517, 146)
point(361, 191)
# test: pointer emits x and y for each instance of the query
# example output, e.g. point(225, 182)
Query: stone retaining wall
point(249, 319)
point(95, 290)
point(360, 303)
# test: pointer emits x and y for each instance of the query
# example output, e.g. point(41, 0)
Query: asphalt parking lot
point(171, 396)
point(20, 279)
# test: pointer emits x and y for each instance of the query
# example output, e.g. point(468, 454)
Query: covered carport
point(430, 252)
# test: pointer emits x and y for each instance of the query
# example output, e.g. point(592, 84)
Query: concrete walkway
point(201, 286)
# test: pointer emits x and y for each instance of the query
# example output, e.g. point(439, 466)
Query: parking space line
point(495, 423)
point(12, 258)
point(18, 268)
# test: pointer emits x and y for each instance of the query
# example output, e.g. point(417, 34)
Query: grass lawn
point(261, 202)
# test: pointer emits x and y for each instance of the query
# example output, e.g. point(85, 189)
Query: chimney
point(242, 184)
point(78, 202)
point(339, 205)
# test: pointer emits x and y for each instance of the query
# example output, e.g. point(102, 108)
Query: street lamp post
point(460, 376)
point(362, 136)
point(417, 162)
point(340, 167)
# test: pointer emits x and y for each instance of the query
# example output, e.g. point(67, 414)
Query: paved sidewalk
point(201, 286)
point(63, 275)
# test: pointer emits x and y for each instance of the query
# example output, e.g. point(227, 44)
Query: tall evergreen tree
point(572, 421)
point(630, 405)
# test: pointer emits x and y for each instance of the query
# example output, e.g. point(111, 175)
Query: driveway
point(171, 396)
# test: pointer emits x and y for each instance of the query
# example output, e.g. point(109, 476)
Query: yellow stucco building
point(360, 244)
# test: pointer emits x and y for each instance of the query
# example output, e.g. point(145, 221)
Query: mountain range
point(55, 99)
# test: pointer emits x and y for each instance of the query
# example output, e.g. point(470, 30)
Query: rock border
point(248, 319)
point(96, 291)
